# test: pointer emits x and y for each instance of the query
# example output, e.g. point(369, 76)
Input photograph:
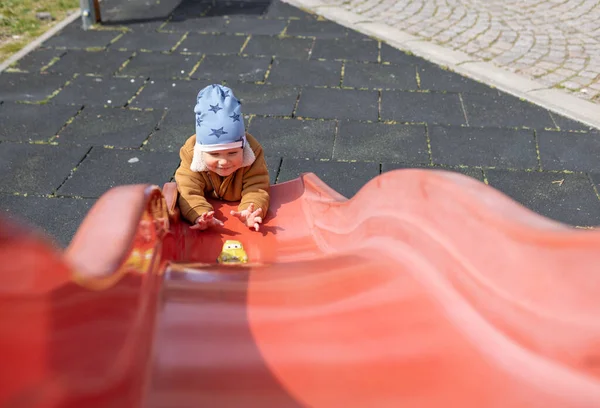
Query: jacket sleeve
point(190, 184)
point(256, 183)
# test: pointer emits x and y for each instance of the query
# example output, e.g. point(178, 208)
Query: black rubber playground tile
point(75, 37)
point(294, 138)
point(486, 147)
point(212, 43)
point(266, 99)
point(177, 126)
point(36, 168)
point(569, 151)
point(279, 9)
point(119, 167)
point(344, 177)
point(338, 104)
point(147, 41)
point(157, 65)
point(434, 78)
point(376, 76)
point(162, 93)
point(29, 122)
point(235, 8)
point(29, 87)
point(381, 142)
point(37, 59)
point(504, 111)
point(564, 123)
point(254, 26)
point(191, 24)
point(218, 68)
point(57, 218)
point(568, 198)
point(345, 49)
point(86, 62)
point(393, 55)
point(429, 107)
point(295, 48)
point(311, 73)
point(97, 91)
point(121, 128)
point(315, 28)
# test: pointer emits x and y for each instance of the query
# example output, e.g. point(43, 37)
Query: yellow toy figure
point(233, 253)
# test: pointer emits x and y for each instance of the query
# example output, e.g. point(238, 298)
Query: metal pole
point(90, 12)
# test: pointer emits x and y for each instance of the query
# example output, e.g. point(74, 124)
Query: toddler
point(222, 161)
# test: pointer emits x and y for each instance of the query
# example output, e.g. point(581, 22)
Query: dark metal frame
point(90, 13)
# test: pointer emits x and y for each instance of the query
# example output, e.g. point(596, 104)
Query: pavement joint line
point(39, 40)
point(535, 92)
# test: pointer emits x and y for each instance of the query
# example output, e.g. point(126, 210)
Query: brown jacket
point(248, 184)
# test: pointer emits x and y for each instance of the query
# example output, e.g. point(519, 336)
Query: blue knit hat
point(219, 120)
point(219, 124)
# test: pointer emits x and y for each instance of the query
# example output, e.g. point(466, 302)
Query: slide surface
point(427, 289)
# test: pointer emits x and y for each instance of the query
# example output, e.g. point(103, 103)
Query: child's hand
point(249, 216)
point(206, 220)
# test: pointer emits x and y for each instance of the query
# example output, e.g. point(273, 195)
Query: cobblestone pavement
point(91, 110)
point(556, 42)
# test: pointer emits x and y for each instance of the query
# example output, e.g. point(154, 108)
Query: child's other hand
point(206, 220)
point(249, 216)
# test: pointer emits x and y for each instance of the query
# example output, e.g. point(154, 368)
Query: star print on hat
point(219, 125)
point(219, 121)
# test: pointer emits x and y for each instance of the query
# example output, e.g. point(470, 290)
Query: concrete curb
point(38, 41)
point(555, 100)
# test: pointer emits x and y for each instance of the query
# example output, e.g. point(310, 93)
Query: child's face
point(224, 162)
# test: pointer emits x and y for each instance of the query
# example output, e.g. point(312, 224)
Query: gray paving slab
point(172, 132)
point(33, 123)
point(36, 168)
point(346, 49)
point(504, 111)
point(297, 48)
point(56, 218)
point(427, 107)
point(147, 41)
point(376, 76)
point(234, 68)
point(331, 103)
point(29, 87)
point(312, 73)
point(380, 142)
point(118, 167)
point(212, 43)
point(568, 198)
point(569, 151)
point(37, 59)
point(86, 62)
point(293, 137)
point(74, 37)
point(487, 147)
point(154, 65)
point(256, 26)
point(122, 128)
point(344, 177)
point(467, 171)
point(98, 91)
point(162, 94)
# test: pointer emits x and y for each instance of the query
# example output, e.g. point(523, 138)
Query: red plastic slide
point(427, 289)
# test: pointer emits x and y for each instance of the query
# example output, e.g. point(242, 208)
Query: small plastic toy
point(233, 253)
